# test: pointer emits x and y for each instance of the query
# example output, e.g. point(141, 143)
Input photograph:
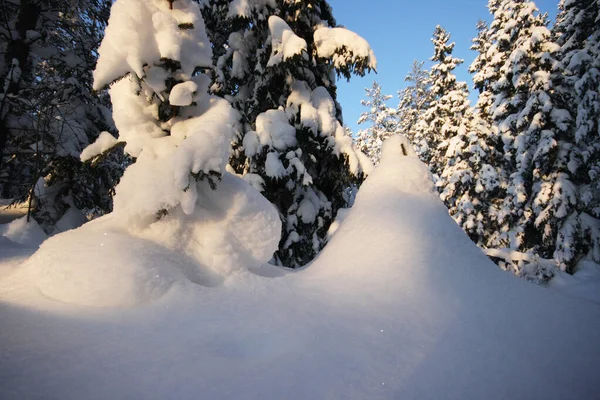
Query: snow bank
point(71, 219)
point(10, 212)
point(400, 304)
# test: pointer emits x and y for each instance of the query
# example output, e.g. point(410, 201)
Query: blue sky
point(399, 32)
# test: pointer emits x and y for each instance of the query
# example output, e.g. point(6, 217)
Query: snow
point(330, 41)
point(109, 264)
point(10, 212)
point(285, 44)
point(134, 116)
point(103, 269)
point(21, 231)
point(318, 113)
point(584, 283)
point(104, 142)
point(273, 166)
point(274, 130)
point(307, 211)
point(400, 304)
point(244, 8)
point(71, 219)
point(199, 141)
point(152, 32)
point(182, 94)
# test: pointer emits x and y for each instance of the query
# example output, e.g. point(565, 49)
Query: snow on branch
point(285, 43)
point(140, 32)
point(349, 51)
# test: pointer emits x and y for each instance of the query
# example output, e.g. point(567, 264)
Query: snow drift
point(401, 304)
point(107, 263)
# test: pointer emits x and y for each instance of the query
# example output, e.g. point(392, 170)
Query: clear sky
point(399, 32)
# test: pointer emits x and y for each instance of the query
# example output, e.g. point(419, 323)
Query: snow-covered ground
point(400, 305)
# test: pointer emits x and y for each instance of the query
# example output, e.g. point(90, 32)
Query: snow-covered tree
point(381, 119)
point(529, 115)
point(177, 132)
point(49, 112)
point(278, 69)
point(414, 100)
point(453, 141)
point(470, 181)
point(449, 111)
point(577, 32)
point(483, 73)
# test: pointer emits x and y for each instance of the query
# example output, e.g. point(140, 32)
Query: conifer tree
point(483, 73)
point(577, 33)
point(449, 111)
point(382, 120)
point(530, 117)
point(48, 110)
point(470, 181)
point(178, 133)
point(278, 70)
point(414, 100)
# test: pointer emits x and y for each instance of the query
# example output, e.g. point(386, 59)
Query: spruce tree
point(278, 70)
point(470, 181)
point(382, 120)
point(578, 36)
point(449, 112)
point(483, 73)
point(529, 114)
point(414, 100)
point(177, 132)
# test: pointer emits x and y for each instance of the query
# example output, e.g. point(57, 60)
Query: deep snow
point(400, 304)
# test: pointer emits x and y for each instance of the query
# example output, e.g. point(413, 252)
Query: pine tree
point(278, 71)
point(414, 100)
point(382, 120)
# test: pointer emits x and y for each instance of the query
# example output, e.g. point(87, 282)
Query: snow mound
point(72, 219)
point(22, 232)
point(107, 263)
point(103, 269)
